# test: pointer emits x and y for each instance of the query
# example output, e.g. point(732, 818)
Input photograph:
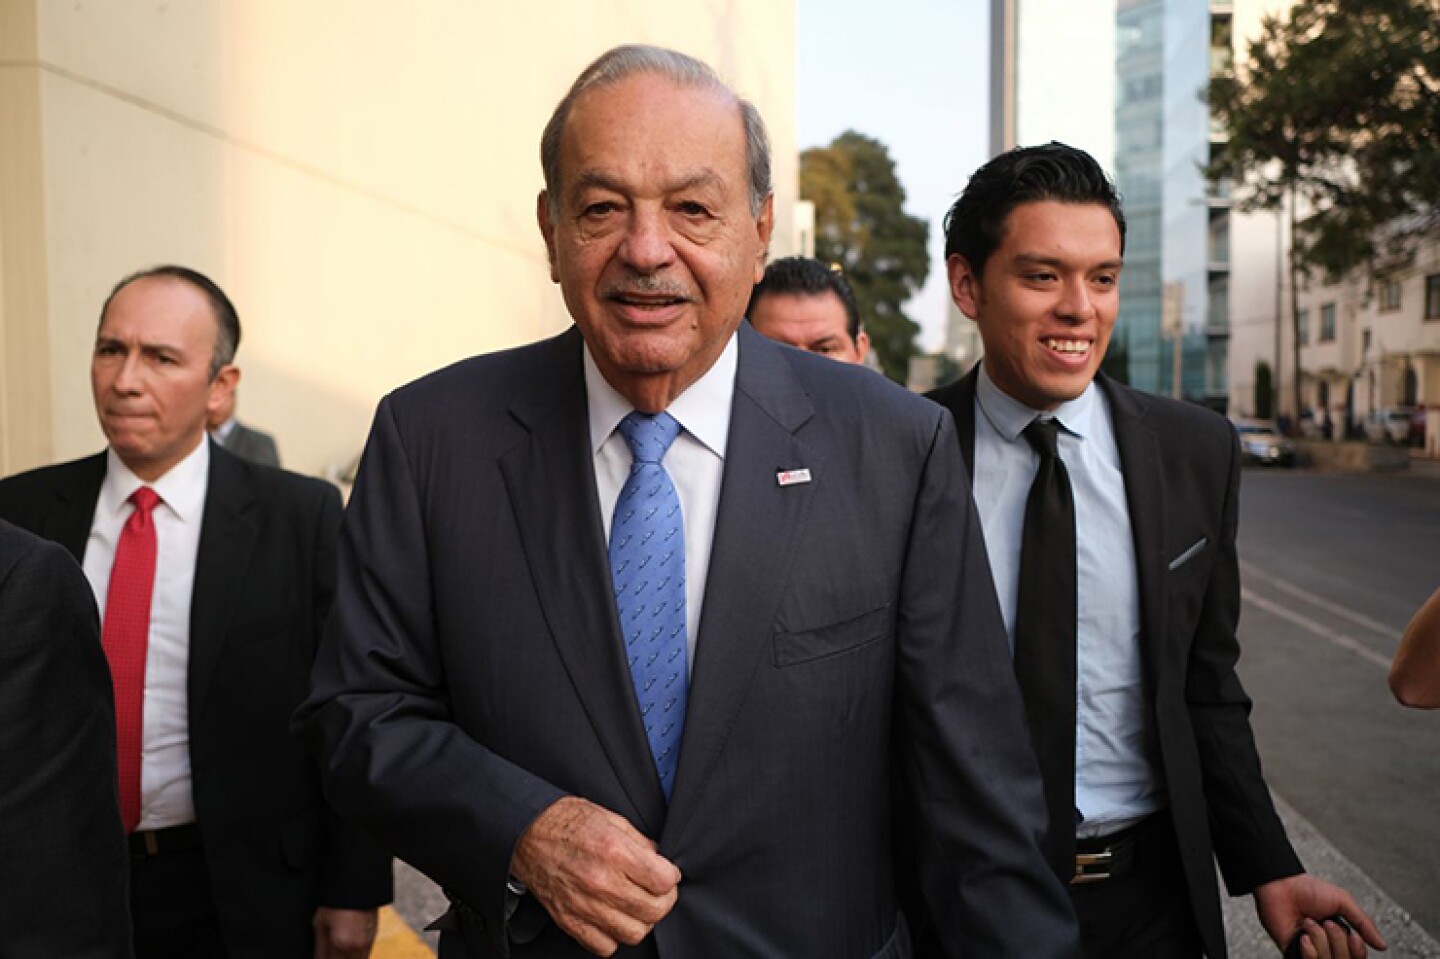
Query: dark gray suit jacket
point(64, 867)
point(264, 577)
point(850, 661)
point(253, 445)
point(1182, 483)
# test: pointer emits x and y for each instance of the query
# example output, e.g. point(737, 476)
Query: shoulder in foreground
point(19, 546)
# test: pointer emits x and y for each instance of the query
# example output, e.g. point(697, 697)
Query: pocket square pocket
point(793, 648)
point(1189, 554)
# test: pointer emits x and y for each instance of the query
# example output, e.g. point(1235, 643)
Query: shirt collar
point(223, 431)
point(1009, 416)
point(703, 409)
point(181, 489)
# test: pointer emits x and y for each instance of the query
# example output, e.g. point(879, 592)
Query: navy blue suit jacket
point(850, 663)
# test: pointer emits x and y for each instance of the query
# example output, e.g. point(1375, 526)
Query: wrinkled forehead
point(650, 117)
point(157, 310)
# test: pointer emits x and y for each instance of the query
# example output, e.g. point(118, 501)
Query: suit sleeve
point(976, 808)
point(357, 871)
point(378, 714)
point(65, 868)
point(1249, 839)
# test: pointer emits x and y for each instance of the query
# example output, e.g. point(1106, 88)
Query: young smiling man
point(1136, 713)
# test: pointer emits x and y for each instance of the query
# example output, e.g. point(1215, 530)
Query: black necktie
point(1045, 637)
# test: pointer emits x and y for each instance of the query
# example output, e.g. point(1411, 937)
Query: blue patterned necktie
point(647, 564)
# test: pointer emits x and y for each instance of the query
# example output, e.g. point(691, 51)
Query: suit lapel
point(76, 492)
point(1144, 493)
point(227, 538)
point(963, 410)
point(551, 481)
point(755, 529)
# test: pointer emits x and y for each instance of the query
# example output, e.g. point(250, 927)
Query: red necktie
point(126, 637)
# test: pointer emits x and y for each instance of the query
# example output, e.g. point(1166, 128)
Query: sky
point(913, 74)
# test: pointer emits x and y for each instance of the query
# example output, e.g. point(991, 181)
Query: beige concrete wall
point(25, 433)
point(359, 175)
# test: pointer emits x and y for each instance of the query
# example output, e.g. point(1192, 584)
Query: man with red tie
point(213, 579)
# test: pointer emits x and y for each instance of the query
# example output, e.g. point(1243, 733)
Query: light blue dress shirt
point(1116, 777)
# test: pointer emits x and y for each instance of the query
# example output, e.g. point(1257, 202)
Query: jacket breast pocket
point(802, 646)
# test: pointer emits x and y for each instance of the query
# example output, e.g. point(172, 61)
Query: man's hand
point(600, 880)
point(1300, 904)
point(344, 933)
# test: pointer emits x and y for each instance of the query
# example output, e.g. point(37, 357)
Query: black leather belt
point(157, 842)
point(1109, 857)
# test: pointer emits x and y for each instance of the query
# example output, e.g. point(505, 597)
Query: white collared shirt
point(695, 462)
point(165, 795)
point(223, 431)
point(1116, 780)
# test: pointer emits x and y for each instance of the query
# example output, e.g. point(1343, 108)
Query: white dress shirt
point(695, 462)
point(1116, 778)
point(165, 796)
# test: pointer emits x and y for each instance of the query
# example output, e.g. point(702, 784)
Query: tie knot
point(1044, 435)
point(649, 435)
point(145, 499)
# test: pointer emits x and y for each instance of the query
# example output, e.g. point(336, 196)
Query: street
point(1333, 567)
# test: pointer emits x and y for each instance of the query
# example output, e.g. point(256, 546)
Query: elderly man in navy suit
point(646, 633)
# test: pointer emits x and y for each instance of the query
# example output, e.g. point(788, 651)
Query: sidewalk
point(1426, 466)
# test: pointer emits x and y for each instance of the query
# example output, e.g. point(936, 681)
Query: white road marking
point(1319, 629)
point(1250, 571)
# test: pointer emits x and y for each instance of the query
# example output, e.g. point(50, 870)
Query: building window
point(1389, 296)
point(1432, 296)
point(1302, 326)
point(1327, 323)
point(1364, 343)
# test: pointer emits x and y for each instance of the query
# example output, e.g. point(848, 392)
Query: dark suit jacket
point(253, 445)
point(473, 671)
point(264, 578)
point(64, 867)
point(1182, 483)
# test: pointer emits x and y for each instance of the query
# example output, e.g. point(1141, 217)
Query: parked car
point(1261, 442)
point(1394, 424)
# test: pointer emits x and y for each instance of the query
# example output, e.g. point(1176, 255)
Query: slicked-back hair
point(807, 277)
point(631, 60)
point(227, 321)
point(975, 225)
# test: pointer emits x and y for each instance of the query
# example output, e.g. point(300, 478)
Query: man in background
point(803, 303)
point(250, 444)
point(213, 578)
point(63, 865)
point(1139, 721)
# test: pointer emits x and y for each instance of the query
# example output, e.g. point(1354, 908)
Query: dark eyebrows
point(1036, 259)
point(151, 349)
point(597, 180)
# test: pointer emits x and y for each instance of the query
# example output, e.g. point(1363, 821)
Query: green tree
point(860, 224)
point(1332, 113)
